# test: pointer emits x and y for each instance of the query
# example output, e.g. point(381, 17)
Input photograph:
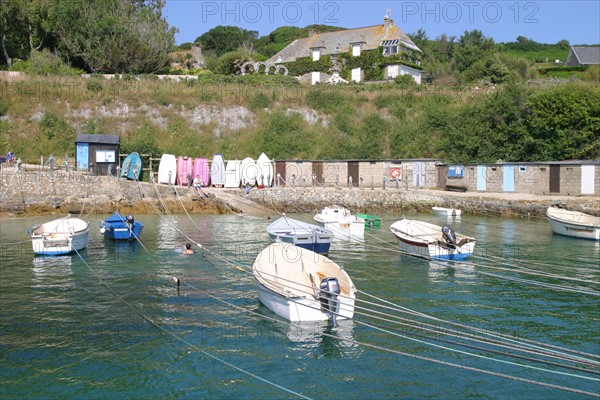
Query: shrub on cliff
point(56, 136)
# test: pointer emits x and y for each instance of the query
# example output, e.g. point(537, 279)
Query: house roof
point(371, 38)
point(587, 55)
point(103, 139)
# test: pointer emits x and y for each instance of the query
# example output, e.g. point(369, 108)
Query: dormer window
point(316, 54)
point(390, 47)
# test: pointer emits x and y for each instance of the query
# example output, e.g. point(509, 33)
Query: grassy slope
point(238, 120)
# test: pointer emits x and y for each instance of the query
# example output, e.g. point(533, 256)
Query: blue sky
point(544, 21)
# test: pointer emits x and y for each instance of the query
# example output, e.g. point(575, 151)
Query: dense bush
point(142, 140)
point(284, 135)
point(328, 100)
point(519, 125)
point(45, 63)
point(56, 136)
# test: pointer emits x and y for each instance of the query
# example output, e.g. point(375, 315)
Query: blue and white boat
point(132, 167)
point(427, 240)
point(118, 227)
point(59, 236)
point(308, 236)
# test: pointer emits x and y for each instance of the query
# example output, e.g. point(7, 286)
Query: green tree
point(564, 123)
point(473, 46)
point(223, 39)
point(13, 26)
point(420, 38)
point(563, 44)
point(277, 40)
point(113, 36)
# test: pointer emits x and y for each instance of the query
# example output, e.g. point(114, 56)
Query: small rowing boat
point(308, 236)
point(60, 236)
point(432, 241)
point(447, 212)
point(573, 223)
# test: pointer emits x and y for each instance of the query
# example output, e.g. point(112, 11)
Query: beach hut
point(97, 153)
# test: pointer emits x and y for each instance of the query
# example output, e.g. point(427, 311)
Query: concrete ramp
point(237, 200)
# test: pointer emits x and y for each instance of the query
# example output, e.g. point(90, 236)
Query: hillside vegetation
point(488, 101)
point(289, 121)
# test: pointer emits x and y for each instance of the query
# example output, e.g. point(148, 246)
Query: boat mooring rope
point(423, 358)
point(450, 349)
point(181, 339)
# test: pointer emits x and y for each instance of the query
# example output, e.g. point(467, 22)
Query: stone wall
point(36, 191)
point(532, 179)
point(570, 180)
point(44, 191)
point(402, 201)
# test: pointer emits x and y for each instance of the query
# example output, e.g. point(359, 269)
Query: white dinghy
point(573, 223)
point(59, 236)
point(300, 285)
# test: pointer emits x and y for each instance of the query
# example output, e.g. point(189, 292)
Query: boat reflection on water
point(124, 247)
point(441, 270)
point(53, 272)
point(52, 265)
point(314, 337)
point(321, 335)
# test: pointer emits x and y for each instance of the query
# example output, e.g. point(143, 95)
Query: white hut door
point(587, 179)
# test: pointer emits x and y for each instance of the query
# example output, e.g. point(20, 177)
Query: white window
point(105, 156)
point(316, 54)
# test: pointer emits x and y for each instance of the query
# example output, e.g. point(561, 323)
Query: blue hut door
point(509, 178)
point(82, 156)
point(481, 177)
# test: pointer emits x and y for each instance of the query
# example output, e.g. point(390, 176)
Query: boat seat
point(462, 241)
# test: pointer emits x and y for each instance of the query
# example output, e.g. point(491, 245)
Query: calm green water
point(118, 328)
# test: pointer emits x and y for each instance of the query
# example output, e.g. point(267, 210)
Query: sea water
point(111, 323)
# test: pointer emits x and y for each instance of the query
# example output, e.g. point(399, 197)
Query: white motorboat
point(432, 241)
point(341, 222)
point(573, 223)
point(300, 285)
point(447, 212)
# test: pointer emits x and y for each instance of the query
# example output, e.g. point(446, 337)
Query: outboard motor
point(330, 290)
point(449, 235)
point(129, 221)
